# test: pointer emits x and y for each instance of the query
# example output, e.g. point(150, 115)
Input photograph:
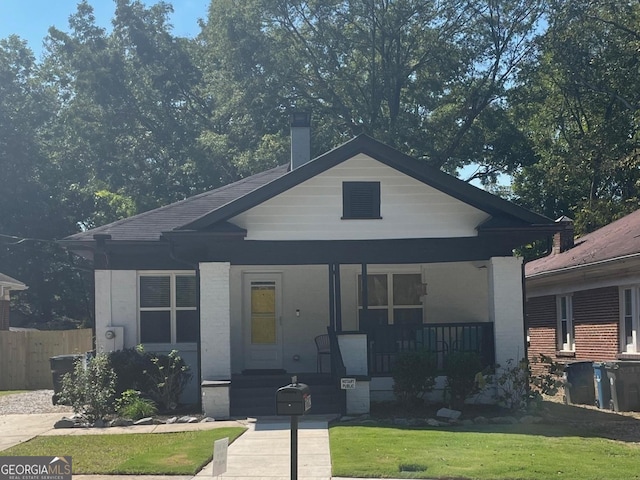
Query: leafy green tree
point(579, 106)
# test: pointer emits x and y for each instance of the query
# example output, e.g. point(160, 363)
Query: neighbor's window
point(629, 319)
point(360, 200)
point(566, 331)
point(168, 309)
point(393, 298)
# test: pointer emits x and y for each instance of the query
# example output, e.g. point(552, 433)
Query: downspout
point(196, 267)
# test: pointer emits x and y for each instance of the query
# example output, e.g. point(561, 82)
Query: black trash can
point(624, 378)
point(60, 366)
point(579, 387)
point(602, 386)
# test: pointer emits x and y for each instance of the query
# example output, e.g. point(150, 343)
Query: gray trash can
point(579, 387)
point(624, 379)
point(60, 366)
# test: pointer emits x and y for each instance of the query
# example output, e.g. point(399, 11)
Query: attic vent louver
point(361, 200)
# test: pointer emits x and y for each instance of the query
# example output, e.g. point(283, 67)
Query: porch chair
point(323, 348)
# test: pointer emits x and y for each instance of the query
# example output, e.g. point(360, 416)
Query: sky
point(31, 19)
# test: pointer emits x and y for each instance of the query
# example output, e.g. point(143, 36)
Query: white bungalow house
point(242, 279)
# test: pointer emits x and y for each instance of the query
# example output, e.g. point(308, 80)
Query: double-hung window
point(167, 307)
point(393, 298)
point(629, 319)
point(566, 331)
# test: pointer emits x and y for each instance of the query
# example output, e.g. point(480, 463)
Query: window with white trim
point(393, 298)
point(167, 307)
point(629, 319)
point(566, 331)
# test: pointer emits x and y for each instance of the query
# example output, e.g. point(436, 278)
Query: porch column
point(215, 321)
point(506, 307)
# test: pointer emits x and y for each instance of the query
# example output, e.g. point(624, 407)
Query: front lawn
point(496, 452)
point(182, 453)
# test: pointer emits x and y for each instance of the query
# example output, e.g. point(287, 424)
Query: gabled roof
point(393, 158)
point(210, 211)
point(619, 239)
point(148, 226)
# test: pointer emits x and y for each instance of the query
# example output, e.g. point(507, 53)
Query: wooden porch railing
point(387, 341)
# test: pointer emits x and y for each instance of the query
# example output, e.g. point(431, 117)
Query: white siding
point(312, 210)
point(116, 305)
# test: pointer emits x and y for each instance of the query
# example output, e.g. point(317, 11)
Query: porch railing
point(387, 341)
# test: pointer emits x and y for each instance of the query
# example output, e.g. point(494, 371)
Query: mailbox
point(293, 399)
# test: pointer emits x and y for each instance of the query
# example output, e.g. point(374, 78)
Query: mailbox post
point(293, 400)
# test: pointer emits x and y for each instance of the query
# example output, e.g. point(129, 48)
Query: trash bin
point(579, 387)
point(61, 365)
point(602, 386)
point(624, 379)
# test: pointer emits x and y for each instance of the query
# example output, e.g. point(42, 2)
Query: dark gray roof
point(148, 226)
point(618, 239)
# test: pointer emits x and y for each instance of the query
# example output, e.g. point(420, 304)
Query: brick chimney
point(563, 239)
point(300, 139)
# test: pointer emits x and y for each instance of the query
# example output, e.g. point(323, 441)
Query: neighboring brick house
point(7, 284)
point(583, 299)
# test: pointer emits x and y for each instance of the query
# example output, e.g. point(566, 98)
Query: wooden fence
point(24, 355)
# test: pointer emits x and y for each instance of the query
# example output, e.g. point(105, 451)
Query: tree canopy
point(115, 122)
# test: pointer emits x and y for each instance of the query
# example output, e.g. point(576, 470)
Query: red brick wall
point(596, 317)
point(541, 328)
point(596, 321)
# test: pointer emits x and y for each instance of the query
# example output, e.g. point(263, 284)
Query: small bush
point(130, 365)
point(512, 385)
point(167, 377)
point(413, 376)
point(464, 377)
point(90, 391)
point(132, 405)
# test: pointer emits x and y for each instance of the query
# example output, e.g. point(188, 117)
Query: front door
point(262, 320)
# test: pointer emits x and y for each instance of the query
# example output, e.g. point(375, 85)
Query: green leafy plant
point(550, 380)
point(464, 377)
point(167, 376)
point(131, 405)
point(512, 385)
point(90, 390)
point(413, 375)
point(130, 365)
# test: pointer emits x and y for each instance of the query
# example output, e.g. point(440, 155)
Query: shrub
point(132, 405)
point(512, 385)
point(90, 391)
point(464, 377)
point(549, 382)
point(413, 376)
point(167, 376)
point(162, 378)
point(130, 365)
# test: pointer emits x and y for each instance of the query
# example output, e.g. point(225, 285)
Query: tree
point(580, 107)
point(424, 77)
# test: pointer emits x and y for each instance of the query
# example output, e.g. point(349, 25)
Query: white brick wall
point(215, 331)
point(506, 307)
point(358, 399)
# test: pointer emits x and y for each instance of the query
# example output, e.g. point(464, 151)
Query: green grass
point(10, 392)
point(183, 453)
point(513, 452)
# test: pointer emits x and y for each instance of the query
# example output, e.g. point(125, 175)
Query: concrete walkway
point(262, 452)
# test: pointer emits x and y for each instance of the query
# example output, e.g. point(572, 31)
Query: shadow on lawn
point(558, 420)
